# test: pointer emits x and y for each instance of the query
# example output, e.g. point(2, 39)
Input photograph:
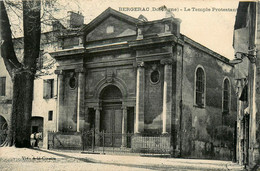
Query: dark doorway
point(130, 124)
point(130, 119)
point(35, 129)
point(37, 124)
point(91, 118)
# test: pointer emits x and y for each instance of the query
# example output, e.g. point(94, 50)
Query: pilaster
point(140, 88)
point(97, 125)
point(124, 126)
point(80, 98)
point(60, 98)
point(167, 95)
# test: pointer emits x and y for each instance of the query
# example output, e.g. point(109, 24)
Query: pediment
point(110, 24)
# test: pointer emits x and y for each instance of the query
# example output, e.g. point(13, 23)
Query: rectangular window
point(48, 89)
point(50, 115)
point(2, 86)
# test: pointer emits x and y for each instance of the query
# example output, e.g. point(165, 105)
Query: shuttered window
point(200, 86)
point(48, 88)
point(2, 86)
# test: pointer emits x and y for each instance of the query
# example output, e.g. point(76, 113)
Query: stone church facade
point(144, 77)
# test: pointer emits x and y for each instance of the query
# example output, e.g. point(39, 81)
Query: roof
point(205, 49)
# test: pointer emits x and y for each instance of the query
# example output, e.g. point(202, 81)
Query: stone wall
point(151, 144)
point(153, 99)
point(100, 74)
point(64, 140)
point(68, 109)
point(208, 124)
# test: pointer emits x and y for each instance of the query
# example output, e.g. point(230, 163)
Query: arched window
point(226, 95)
point(200, 87)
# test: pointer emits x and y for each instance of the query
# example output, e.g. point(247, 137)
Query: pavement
point(21, 159)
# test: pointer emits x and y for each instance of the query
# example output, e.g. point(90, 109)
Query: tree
point(22, 73)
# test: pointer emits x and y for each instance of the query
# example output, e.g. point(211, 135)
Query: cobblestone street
point(37, 159)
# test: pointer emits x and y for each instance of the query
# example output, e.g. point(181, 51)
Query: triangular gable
point(104, 15)
point(111, 27)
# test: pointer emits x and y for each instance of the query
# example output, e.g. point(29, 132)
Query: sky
point(202, 20)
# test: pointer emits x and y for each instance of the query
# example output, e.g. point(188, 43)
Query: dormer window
point(110, 29)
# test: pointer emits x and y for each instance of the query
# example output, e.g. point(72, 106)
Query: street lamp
point(239, 58)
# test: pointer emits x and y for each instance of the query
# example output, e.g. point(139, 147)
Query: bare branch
point(7, 49)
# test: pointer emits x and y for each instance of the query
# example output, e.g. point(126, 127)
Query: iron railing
point(101, 142)
point(107, 142)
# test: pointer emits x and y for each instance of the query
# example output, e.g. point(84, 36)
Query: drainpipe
point(253, 118)
point(181, 103)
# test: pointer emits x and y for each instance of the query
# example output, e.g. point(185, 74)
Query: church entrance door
point(111, 116)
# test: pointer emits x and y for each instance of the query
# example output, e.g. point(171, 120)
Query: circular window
point(155, 77)
point(72, 82)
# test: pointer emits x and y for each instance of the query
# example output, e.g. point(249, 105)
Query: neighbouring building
point(246, 43)
point(144, 78)
point(5, 100)
point(45, 85)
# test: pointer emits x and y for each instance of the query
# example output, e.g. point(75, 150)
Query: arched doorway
point(3, 129)
point(111, 115)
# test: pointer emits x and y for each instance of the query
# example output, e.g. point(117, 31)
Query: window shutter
point(55, 88)
point(2, 86)
point(51, 88)
point(45, 89)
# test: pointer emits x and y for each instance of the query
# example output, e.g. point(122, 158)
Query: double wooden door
point(111, 124)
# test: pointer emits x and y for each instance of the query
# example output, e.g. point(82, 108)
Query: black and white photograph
point(129, 85)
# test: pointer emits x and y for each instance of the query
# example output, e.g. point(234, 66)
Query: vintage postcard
point(117, 85)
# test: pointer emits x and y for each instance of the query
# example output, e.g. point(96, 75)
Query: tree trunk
point(20, 123)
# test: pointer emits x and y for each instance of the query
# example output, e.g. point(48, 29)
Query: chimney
point(75, 19)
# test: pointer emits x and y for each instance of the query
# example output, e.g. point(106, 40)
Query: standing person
point(33, 140)
point(36, 140)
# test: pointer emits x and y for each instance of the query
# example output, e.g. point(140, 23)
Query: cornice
point(67, 52)
point(152, 40)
